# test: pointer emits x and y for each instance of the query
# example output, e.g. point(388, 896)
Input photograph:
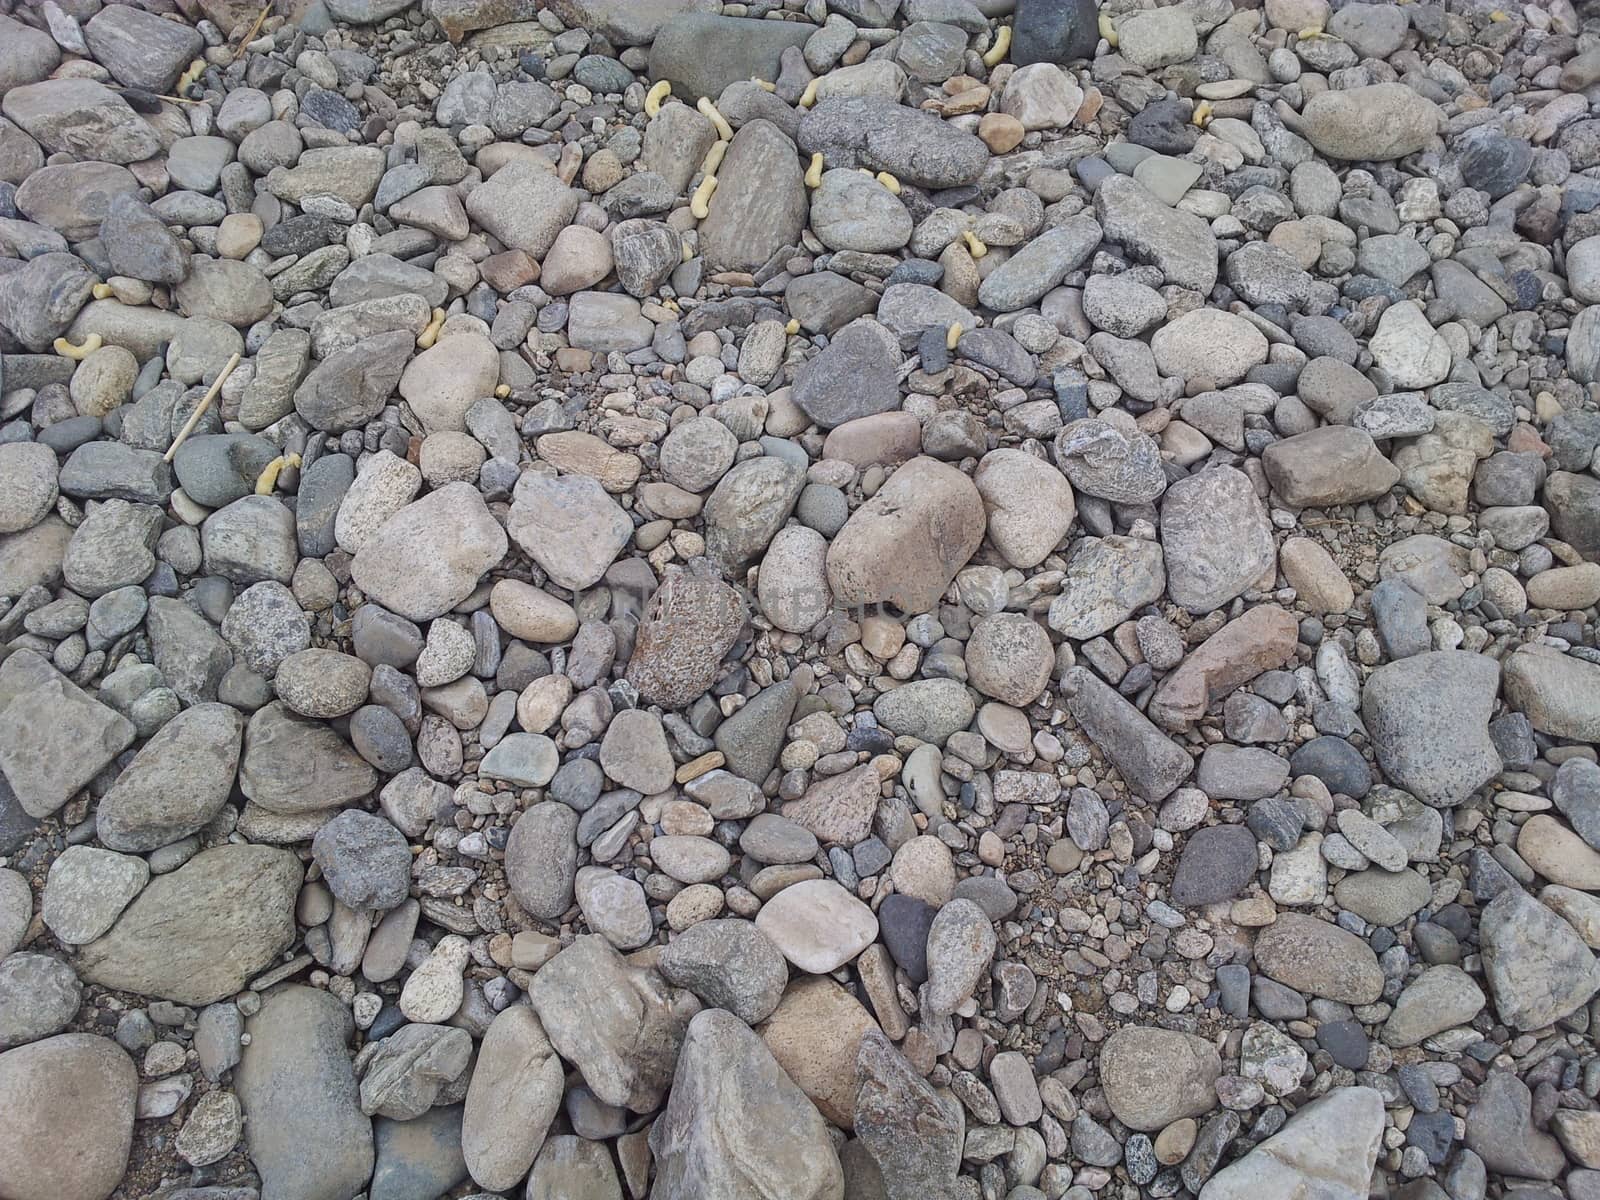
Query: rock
point(86, 891)
point(365, 861)
point(1408, 349)
point(39, 300)
point(405, 1072)
point(883, 135)
point(1334, 464)
point(735, 1123)
point(621, 1025)
point(748, 506)
point(759, 206)
point(814, 1035)
point(418, 1156)
point(961, 944)
point(81, 117)
point(294, 765)
point(1157, 38)
point(689, 624)
point(792, 587)
point(1327, 1149)
point(930, 710)
point(541, 858)
point(1053, 31)
point(1105, 460)
point(27, 484)
point(447, 379)
point(53, 738)
point(201, 932)
point(1009, 657)
point(1152, 764)
point(1441, 998)
point(853, 376)
point(912, 1133)
point(1537, 967)
point(701, 54)
point(839, 810)
point(1428, 716)
point(304, 1127)
point(351, 386)
point(1040, 265)
point(728, 964)
point(176, 784)
point(1108, 579)
point(852, 211)
point(1028, 503)
point(1314, 956)
point(514, 1095)
point(1376, 122)
point(524, 206)
point(1500, 1130)
point(39, 996)
point(1153, 1077)
point(1218, 863)
point(569, 526)
point(1180, 244)
point(1216, 538)
point(905, 545)
point(1383, 897)
point(69, 1102)
point(1209, 344)
point(428, 557)
point(817, 925)
point(1554, 690)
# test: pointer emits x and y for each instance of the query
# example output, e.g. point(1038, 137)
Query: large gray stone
point(1428, 716)
point(759, 206)
point(179, 780)
point(736, 1125)
point(203, 931)
point(304, 1127)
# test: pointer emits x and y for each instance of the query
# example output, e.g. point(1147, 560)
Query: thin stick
point(200, 409)
point(254, 29)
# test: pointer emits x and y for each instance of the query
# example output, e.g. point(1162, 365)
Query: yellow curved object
point(90, 344)
point(975, 247)
point(709, 111)
point(101, 291)
point(670, 305)
point(501, 391)
point(1108, 30)
point(654, 97)
point(809, 96)
point(953, 335)
point(764, 84)
point(814, 171)
point(792, 328)
point(1202, 114)
point(700, 205)
point(997, 52)
point(196, 69)
point(1498, 15)
point(688, 254)
point(713, 158)
point(888, 181)
point(430, 334)
point(268, 479)
point(1310, 32)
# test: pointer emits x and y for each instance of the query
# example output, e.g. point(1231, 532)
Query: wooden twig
point(200, 409)
point(254, 29)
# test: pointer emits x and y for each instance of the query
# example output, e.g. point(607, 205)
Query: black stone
point(1336, 762)
point(1218, 863)
point(1493, 162)
point(1164, 127)
point(1054, 31)
point(301, 235)
point(1346, 1042)
point(905, 921)
point(1432, 1133)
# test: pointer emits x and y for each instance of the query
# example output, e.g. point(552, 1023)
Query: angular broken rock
point(54, 737)
point(1151, 764)
point(1263, 639)
point(736, 1125)
point(1327, 1150)
point(1538, 968)
point(913, 1133)
point(1428, 716)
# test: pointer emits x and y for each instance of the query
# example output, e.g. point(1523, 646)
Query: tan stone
point(1315, 577)
point(814, 1034)
point(1261, 640)
point(906, 544)
point(531, 613)
point(1559, 854)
